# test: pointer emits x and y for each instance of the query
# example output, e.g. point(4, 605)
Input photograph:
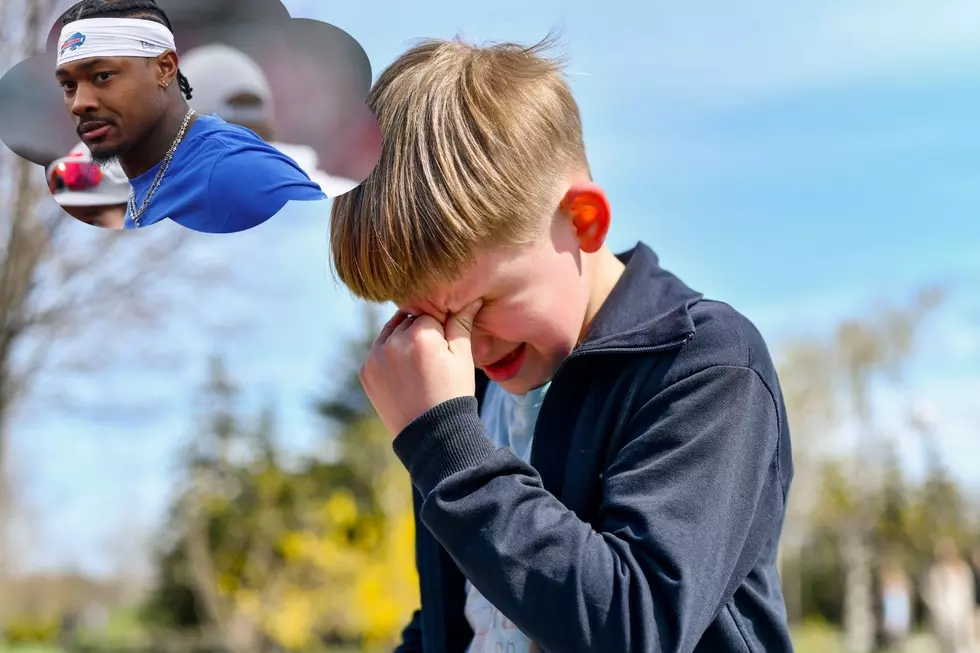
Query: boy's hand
point(417, 363)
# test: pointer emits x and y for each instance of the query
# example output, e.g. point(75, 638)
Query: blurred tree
point(826, 381)
point(868, 349)
point(384, 592)
point(226, 526)
point(63, 285)
point(318, 551)
point(892, 537)
point(823, 572)
point(907, 520)
point(807, 379)
point(348, 403)
point(941, 509)
point(353, 561)
point(20, 255)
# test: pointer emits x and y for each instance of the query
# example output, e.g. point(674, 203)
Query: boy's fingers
point(460, 325)
point(405, 324)
point(398, 318)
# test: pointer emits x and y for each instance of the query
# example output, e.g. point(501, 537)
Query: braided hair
point(144, 9)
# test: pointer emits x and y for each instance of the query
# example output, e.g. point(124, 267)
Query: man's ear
point(166, 68)
point(588, 208)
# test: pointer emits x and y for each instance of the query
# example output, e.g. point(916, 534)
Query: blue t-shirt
point(223, 178)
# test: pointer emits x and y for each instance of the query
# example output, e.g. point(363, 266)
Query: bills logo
point(73, 42)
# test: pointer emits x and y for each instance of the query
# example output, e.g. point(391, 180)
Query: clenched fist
point(417, 363)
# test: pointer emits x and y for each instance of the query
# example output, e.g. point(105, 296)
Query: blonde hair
point(476, 141)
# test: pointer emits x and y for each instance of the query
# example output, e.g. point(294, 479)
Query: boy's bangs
point(475, 143)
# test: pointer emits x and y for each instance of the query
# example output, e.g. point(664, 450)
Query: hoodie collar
point(648, 307)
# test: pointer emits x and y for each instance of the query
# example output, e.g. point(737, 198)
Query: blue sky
point(800, 162)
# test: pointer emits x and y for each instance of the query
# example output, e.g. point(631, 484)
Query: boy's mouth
point(507, 367)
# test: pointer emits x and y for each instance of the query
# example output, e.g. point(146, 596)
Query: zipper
point(652, 349)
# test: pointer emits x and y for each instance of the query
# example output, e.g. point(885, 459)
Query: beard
point(105, 159)
point(105, 155)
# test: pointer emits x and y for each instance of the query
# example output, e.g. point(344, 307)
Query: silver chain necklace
point(160, 173)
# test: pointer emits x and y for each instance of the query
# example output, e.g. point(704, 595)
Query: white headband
point(113, 37)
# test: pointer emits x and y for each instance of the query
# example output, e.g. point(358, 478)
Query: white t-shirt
point(509, 420)
point(307, 159)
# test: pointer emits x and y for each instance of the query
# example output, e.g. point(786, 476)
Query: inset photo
point(208, 136)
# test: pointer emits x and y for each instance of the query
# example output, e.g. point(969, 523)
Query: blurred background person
point(232, 85)
point(94, 194)
point(948, 593)
point(896, 606)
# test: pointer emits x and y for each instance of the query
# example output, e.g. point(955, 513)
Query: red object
point(74, 176)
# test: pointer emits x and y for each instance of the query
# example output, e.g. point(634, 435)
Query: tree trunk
point(231, 630)
point(791, 581)
point(859, 618)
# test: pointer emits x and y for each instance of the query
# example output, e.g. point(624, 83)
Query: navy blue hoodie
point(649, 517)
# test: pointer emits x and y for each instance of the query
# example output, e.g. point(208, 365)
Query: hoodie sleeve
point(411, 637)
point(678, 528)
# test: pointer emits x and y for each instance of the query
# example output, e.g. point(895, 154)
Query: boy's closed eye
point(443, 315)
point(484, 314)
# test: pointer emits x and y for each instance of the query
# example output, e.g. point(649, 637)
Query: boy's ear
point(588, 207)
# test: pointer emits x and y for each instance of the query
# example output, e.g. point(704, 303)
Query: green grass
point(820, 638)
point(124, 625)
point(816, 638)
